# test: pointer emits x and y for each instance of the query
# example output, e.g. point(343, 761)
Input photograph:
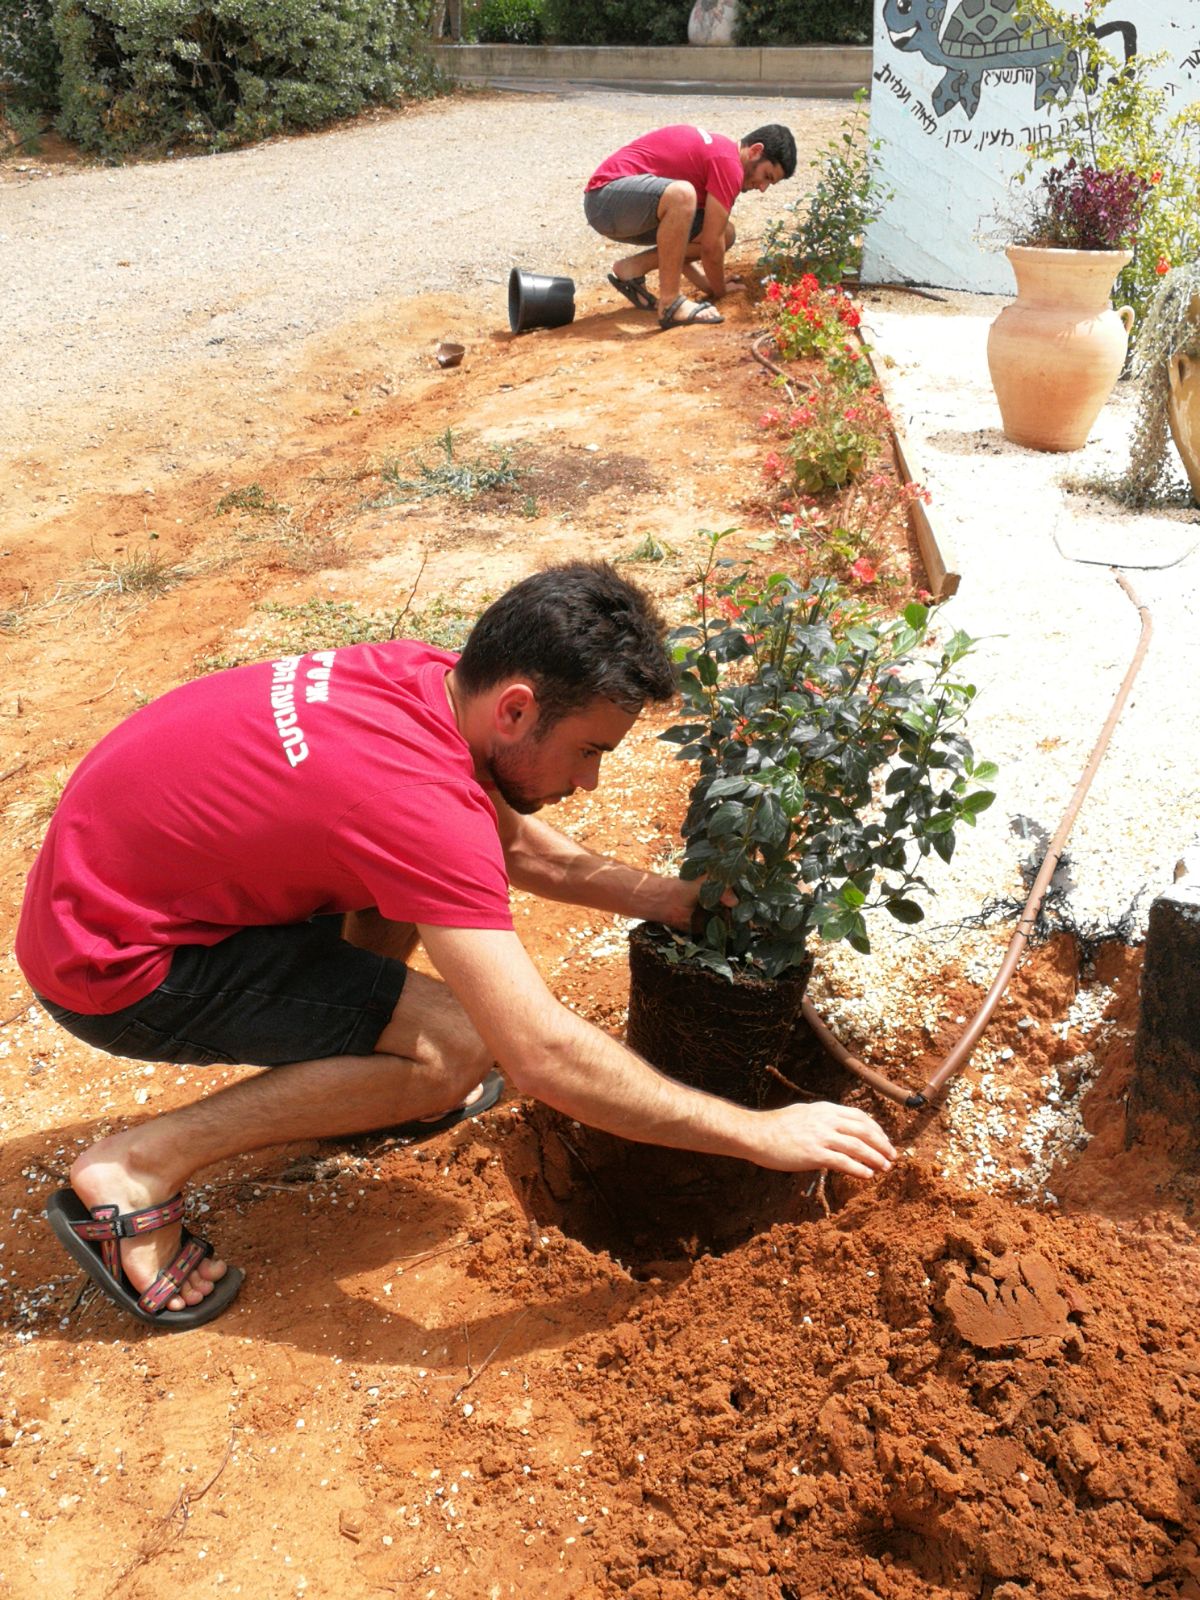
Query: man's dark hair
point(579, 632)
point(778, 145)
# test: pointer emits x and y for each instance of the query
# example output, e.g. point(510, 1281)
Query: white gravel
point(1039, 589)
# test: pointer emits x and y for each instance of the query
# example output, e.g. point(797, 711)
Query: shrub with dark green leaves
point(509, 22)
point(216, 73)
point(619, 22)
point(832, 763)
point(29, 63)
point(792, 22)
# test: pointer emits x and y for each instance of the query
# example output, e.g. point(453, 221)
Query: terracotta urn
point(1183, 406)
point(1057, 350)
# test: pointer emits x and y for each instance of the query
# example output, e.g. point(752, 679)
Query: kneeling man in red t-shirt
point(671, 192)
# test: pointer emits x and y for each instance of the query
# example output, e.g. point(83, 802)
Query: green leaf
point(907, 911)
point(943, 822)
point(975, 803)
point(850, 895)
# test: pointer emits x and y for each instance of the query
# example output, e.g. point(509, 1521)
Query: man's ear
point(754, 151)
point(515, 710)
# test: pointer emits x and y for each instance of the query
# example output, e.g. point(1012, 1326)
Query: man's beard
point(508, 771)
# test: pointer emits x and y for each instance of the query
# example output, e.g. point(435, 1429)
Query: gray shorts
point(627, 210)
point(261, 998)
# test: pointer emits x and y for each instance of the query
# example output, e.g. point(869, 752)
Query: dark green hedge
point(215, 73)
point(29, 63)
point(619, 22)
point(509, 22)
point(790, 22)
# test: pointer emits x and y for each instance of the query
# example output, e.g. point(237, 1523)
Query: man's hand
point(804, 1138)
point(682, 896)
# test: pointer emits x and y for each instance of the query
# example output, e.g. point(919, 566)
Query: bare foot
point(105, 1175)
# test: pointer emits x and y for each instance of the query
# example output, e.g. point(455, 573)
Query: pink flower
point(769, 417)
point(773, 467)
point(863, 570)
point(729, 607)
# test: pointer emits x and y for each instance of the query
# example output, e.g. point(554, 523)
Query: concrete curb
point(815, 71)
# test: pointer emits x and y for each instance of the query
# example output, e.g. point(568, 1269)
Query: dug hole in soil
point(526, 1357)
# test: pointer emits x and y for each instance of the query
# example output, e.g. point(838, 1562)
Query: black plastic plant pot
point(714, 1033)
point(536, 301)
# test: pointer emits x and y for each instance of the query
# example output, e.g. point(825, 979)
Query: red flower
point(809, 283)
point(1162, 265)
point(774, 292)
point(852, 413)
point(729, 607)
point(773, 467)
point(863, 570)
point(769, 417)
point(802, 417)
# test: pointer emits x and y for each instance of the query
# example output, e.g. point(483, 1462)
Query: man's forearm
point(545, 862)
point(713, 263)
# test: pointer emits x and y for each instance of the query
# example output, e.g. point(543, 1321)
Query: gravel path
point(114, 277)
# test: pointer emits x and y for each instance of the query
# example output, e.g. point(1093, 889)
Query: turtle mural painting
point(981, 36)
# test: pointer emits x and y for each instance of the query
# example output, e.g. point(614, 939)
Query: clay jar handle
point(1126, 314)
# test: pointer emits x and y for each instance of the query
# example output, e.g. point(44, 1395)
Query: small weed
point(529, 506)
point(328, 624)
point(32, 814)
point(137, 577)
point(651, 549)
point(452, 476)
point(254, 499)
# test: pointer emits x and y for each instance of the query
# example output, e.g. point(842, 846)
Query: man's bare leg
point(427, 1058)
point(676, 211)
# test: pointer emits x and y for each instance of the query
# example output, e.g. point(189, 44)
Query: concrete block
point(1166, 1052)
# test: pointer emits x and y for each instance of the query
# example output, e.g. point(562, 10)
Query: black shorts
point(261, 998)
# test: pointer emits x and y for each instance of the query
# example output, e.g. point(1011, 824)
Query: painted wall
point(955, 132)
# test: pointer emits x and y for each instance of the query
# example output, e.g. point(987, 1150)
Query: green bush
point(29, 62)
point(509, 22)
point(790, 22)
point(822, 233)
point(619, 22)
point(216, 73)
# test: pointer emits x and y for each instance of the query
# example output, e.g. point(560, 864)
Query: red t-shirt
point(325, 782)
point(708, 161)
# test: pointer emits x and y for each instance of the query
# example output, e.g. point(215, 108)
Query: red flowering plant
point(832, 763)
point(849, 540)
point(826, 439)
point(814, 321)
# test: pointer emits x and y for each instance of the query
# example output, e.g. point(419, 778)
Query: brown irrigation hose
point(915, 1100)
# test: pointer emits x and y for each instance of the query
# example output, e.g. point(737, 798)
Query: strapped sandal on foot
point(635, 291)
point(668, 319)
point(423, 1128)
point(93, 1238)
